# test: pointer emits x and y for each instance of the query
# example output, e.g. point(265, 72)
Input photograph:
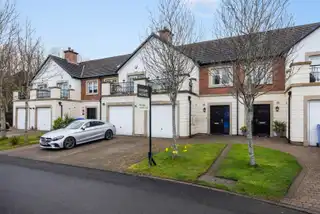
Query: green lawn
point(188, 166)
point(33, 138)
point(270, 179)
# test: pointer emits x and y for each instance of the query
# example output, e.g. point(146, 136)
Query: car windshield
point(75, 125)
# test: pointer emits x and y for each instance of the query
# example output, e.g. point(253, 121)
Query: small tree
point(8, 33)
point(252, 50)
point(163, 58)
point(30, 57)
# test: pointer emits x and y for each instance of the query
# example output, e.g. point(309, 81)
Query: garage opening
point(44, 119)
point(122, 118)
point(314, 120)
point(162, 121)
point(220, 119)
point(21, 115)
point(91, 113)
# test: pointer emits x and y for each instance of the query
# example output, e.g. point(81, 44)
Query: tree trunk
point(174, 129)
point(26, 122)
point(2, 122)
point(2, 115)
point(249, 134)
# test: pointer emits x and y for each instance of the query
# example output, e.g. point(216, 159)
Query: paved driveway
point(116, 154)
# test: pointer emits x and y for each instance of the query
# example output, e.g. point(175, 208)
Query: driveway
point(116, 154)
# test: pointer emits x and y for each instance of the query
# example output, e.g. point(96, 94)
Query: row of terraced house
point(106, 89)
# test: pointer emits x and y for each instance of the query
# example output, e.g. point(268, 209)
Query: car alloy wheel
point(69, 143)
point(109, 135)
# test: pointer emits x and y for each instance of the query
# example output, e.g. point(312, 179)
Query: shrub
point(243, 129)
point(279, 127)
point(67, 119)
point(60, 123)
point(14, 140)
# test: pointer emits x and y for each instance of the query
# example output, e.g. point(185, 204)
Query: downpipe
point(289, 116)
point(189, 99)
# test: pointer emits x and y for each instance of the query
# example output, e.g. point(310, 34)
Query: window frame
point(219, 69)
point(93, 82)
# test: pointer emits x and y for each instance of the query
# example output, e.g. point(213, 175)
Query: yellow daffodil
point(185, 150)
point(174, 152)
point(167, 149)
point(185, 147)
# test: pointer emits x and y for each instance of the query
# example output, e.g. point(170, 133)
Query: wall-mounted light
point(103, 104)
point(277, 108)
point(204, 109)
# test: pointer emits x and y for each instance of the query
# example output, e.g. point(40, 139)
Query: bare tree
point(8, 32)
point(163, 58)
point(30, 57)
point(253, 52)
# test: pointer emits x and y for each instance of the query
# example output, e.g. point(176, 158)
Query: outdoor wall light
point(103, 104)
point(204, 109)
point(277, 108)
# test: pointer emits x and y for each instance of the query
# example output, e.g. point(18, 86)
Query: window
point(219, 77)
point(96, 123)
point(42, 86)
point(132, 77)
point(64, 88)
point(92, 87)
point(260, 77)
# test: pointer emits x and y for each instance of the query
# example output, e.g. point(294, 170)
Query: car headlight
point(57, 138)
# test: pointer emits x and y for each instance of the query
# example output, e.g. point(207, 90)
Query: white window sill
point(91, 94)
point(219, 86)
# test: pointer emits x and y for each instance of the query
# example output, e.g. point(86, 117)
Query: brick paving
point(121, 152)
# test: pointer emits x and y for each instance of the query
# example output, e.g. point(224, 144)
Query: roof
point(203, 53)
point(218, 50)
point(103, 67)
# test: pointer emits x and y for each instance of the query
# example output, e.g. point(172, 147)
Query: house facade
point(106, 89)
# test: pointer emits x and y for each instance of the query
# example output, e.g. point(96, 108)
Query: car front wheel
point(69, 143)
point(109, 135)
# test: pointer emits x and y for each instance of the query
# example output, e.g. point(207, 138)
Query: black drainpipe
point(61, 109)
point(189, 99)
point(289, 116)
point(237, 112)
point(100, 112)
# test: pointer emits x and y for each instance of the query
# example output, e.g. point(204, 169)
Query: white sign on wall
point(142, 103)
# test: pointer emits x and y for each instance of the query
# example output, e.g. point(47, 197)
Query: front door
point(261, 120)
point(219, 119)
point(91, 113)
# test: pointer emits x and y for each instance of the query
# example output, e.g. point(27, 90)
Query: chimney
point(71, 56)
point(165, 34)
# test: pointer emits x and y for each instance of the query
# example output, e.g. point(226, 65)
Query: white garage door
point(44, 119)
point(21, 114)
point(161, 121)
point(32, 116)
point(121, 117)
point(314, 119)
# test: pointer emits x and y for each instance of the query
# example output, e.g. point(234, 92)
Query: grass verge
point(270, 179)
point(6, 143)
point(188, 166)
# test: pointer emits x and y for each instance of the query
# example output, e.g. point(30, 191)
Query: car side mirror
point(83, 128)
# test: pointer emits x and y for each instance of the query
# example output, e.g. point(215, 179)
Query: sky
point(104, 28)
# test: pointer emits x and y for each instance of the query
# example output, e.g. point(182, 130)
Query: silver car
point(77, 132)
